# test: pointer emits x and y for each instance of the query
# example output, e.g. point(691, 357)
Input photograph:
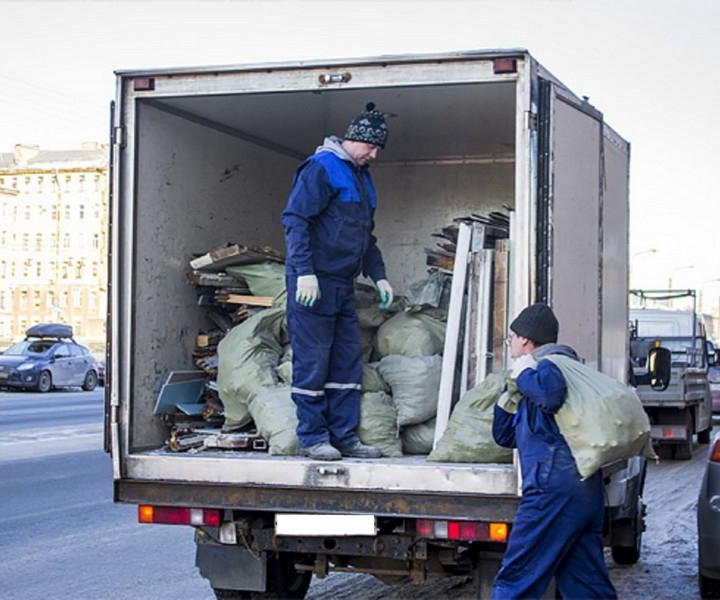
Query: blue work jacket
point(533, 430)
point(328, 221)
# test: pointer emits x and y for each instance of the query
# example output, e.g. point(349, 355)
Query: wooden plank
point(244, 299)
point(441, 261)
point(234, 254)
point(500, 294)
point(452, 332)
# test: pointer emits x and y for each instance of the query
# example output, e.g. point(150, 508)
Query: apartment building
point(53, 241)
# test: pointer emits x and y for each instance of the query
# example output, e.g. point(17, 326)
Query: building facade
point(53, 242)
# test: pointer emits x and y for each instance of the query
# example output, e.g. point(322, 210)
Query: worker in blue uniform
point(328, 224)
point(558, 526)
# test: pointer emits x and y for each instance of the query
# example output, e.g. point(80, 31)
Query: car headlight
point(25, 366)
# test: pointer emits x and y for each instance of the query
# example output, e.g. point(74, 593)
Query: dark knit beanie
point(369, 126)
point(537, 323)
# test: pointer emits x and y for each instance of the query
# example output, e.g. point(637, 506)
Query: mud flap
point(230, 567)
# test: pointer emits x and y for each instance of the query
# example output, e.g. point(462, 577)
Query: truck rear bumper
point(327, 501)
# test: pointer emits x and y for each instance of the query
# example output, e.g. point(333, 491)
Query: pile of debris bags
point(401, 374)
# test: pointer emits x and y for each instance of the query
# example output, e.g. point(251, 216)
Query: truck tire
point(683, 451)
point(709, 588)
point(629, 555)
point(221, 594)
point(703, 437)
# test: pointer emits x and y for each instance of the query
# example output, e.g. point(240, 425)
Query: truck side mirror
point(659, 368)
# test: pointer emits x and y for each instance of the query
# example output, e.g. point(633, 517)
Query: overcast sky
point(651, 66)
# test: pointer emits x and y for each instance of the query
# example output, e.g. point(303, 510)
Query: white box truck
point(202, 156)
point(684, 408)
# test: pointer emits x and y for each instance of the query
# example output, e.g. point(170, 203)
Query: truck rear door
point(572, 186)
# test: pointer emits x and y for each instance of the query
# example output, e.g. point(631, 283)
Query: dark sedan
point(43, 364)
point(709, 525)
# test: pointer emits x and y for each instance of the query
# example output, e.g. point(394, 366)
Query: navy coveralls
point(328, 225)
point(558, 527)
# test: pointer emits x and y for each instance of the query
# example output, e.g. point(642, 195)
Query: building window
point(38, 242)
point(81, 183)
point(25, 241)
point(23, 299)
point(53, 240)
point(50, 299)
point(38, 269)
point(66, 212)
point(13, 270)
point(96, 241)
point(14, 183)
point(36, 298)
point(3, 268)
point(27, 183)
point(66, 240)
point(26, 268)
point(54, 213)
point(77, 328)
point(2, 300)
point(28, 212)
point(68, 180)
point(79, 269)
point(64, 299)
point(94, 269)
point(76, 297)
point(97, 183)
point(40, 184)
point(81, 211)
point(64, 271)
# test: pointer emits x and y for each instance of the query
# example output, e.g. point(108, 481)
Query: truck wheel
point(629, 555)
point(90, 381)
point(703, 437)
point(283, 581)
point(709, 588)
point(221, 594)
point(683, 451)
point(664, 452)
point(44, 383)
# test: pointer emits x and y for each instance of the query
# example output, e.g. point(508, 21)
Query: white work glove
point(308, 290)
point(385, 292)
point(526, 361)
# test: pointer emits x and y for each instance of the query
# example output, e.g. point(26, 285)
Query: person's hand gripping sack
point(308, 290)
point(385, 292)
point(526, 361)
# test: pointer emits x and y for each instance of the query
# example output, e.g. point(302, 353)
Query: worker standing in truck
point(328, 225)
point(558, 526)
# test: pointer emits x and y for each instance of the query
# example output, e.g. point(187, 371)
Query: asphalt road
point(62, 536)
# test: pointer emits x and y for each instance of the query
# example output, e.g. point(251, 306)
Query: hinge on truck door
point(530, 120)
point(118, 136)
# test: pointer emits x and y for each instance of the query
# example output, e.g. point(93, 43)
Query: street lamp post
point(675, 270)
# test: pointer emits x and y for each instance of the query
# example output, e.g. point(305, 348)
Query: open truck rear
point(202, 156)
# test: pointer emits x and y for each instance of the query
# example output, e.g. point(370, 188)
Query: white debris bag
point(414, 382)
point(468, 435)
point(602, 420)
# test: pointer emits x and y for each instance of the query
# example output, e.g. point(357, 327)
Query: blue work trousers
point(557, 533)
point(327, 364)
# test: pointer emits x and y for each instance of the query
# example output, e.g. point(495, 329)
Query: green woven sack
point(263, 279)
point(247, 357)
point(418, 439)
point(468, 436)
point(273, 411)
point(602, 420)
point(378, 423)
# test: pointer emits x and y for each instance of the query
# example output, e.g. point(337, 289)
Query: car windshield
point(29, 348)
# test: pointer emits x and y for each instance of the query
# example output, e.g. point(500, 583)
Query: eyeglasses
point(508, 340)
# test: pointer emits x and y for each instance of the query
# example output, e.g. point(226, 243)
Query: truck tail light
point(715, 452)
point(480, 531)
point(504, 65)
point(173, 515)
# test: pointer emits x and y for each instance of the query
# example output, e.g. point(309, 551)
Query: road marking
point(49, 434)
